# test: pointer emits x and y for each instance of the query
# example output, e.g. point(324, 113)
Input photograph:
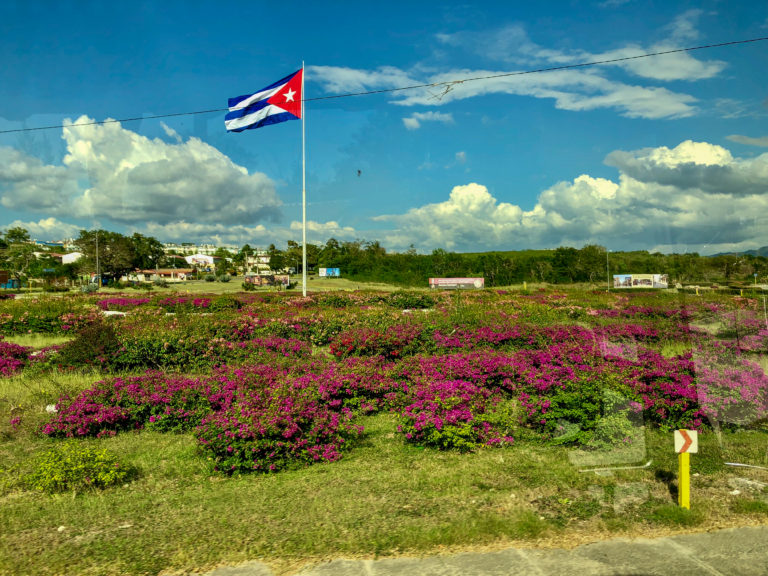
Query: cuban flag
point(276, 103)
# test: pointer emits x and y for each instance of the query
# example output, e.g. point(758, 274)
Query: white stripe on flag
point(249, 119)
point(263, 95)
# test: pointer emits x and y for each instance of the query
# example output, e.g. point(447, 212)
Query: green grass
point(31, 392)
point(314, 284)
point(384, 497)
point(37, 341)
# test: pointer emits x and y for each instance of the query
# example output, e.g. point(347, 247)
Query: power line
point(447, 83)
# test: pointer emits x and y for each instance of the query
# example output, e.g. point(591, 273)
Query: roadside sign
point(686, 441)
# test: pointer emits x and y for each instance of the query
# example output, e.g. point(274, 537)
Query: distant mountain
point(759, 252)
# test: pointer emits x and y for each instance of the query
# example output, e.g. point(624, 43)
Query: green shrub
point(409, 300)
point(161, 283)
point(95, 344)
point(73, 466)
point(248, 286)
point(210, 278)
point(224, 278)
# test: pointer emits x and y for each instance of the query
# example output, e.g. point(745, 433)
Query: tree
point(17, 235)
point(592, 263)
point(115, 253)
point(147, 252)
point(241, 258)
point(564, 262)
point(19, 258)
point(276, 258)
point(330, 254)
point(293, 256)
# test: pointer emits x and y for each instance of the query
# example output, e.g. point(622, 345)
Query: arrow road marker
point(686, 441)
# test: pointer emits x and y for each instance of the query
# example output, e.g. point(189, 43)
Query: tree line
point(370, 262)
point(365, 261)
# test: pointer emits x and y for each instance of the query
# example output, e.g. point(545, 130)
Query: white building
point(190, 249)
point(71, 257)
point(201, 260)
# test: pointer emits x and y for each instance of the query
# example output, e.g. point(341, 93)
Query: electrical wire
point(447, 83)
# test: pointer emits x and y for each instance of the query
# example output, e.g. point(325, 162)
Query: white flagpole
point(303, 194)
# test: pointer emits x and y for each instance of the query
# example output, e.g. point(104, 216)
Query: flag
point(278, 102)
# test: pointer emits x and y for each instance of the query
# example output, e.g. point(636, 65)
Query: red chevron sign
point(686, 441)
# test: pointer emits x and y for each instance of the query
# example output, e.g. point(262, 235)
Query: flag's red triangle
point(289, 96)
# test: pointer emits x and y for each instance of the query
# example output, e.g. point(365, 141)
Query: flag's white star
point(289, 95)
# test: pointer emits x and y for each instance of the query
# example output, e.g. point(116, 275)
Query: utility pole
point(98, 272)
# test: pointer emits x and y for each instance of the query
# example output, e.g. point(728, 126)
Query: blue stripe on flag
point(245, 111)
point(273, 119)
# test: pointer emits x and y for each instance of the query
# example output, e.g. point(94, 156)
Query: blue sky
point(667, 153)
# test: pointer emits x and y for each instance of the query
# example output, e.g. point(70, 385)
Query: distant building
point(189, 248)
point(201, 260)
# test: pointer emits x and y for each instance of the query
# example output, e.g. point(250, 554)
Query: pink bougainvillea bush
point(453, 414)
point(280, 380)
point(258, 418)
point(273, 428)
point(13, 357)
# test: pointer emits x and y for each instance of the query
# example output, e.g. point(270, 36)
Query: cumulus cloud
point(695, 166)
point(111, 173)
point(664, 199)
point(26, 181)
point(417, 118)
point(47, 229)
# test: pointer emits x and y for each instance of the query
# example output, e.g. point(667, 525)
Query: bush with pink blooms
point(280, 380)
point(453, 414)
point(13, 357)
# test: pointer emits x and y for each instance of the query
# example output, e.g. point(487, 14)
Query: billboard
point(268, 280)
point(640, 281)
point(457, 283)
point(329, 272)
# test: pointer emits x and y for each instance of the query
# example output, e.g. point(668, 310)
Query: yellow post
point(741, 292)
point(697, 291)
point(684, 481)
point(525, 285)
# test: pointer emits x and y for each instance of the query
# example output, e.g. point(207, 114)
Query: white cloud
point(415, 120)
point(325, 229)
point(749, 141)
point(570, 89)
point(111, 173)
point(699, 166)
point(339, 79)
point(461, 157)
point(663, 198)
point(26, 181)
point(48, 229)
point(683, 28)
point(573, 89)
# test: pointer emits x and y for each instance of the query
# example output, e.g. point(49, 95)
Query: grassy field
point(314, 284)
point(386, 497)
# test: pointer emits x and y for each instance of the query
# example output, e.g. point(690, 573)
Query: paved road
point(732, 552)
